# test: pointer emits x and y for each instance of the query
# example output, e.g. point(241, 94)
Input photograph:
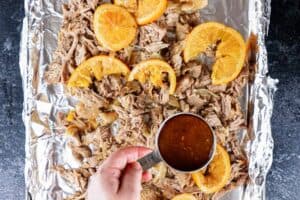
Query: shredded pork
point(114, 113)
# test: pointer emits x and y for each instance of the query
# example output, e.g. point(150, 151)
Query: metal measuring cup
point(155, 157)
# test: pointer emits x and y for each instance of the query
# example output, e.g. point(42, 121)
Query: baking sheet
point(46, 146)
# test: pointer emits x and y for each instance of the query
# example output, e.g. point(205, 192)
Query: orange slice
point(97, 66)
point(114, 26)
point(146, 11)
point(230, 53)
point(130, 5)
point(150, 10)
point(217, 174)
point(184, 197)
point(154, 70)
point(194, 5)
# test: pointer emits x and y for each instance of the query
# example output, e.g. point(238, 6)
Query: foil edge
point(26, 73)
point(261, 97)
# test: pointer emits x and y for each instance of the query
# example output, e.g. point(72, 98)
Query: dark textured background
point(283, 45)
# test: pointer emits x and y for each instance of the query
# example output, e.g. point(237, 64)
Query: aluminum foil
point(45, 146)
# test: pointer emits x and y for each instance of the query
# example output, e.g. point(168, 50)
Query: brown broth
point(186, 142)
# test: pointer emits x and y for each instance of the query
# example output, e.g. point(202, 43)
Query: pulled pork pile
point(114, 113)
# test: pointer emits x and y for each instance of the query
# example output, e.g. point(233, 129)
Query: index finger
point(120, 158)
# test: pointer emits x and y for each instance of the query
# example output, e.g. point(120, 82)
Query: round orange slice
point(217, 174)
point(150, 10)
point(194, 5)
point(97, 66)
point(184, 197)
point(114, 26)
point(230, 53)
point(154, 70)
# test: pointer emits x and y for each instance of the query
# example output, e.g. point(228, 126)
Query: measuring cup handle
point(150, 160)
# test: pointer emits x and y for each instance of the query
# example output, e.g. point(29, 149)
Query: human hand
point(120, 176)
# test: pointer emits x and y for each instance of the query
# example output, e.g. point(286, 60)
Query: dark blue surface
point(12, 136)
point(283, 46)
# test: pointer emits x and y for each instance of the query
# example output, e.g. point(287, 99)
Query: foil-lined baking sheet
point(46, 146)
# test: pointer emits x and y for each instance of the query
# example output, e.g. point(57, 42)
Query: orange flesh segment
point(150, 10)
point(114, 26)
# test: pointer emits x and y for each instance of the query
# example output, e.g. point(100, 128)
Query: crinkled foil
point(46, 146)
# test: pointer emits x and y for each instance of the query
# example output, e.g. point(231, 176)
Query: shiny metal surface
point(155, 157)
point(45, 142)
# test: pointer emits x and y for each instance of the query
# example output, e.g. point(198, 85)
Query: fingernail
point(137, 166)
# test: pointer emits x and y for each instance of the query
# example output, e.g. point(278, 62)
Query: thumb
point(131, 182)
